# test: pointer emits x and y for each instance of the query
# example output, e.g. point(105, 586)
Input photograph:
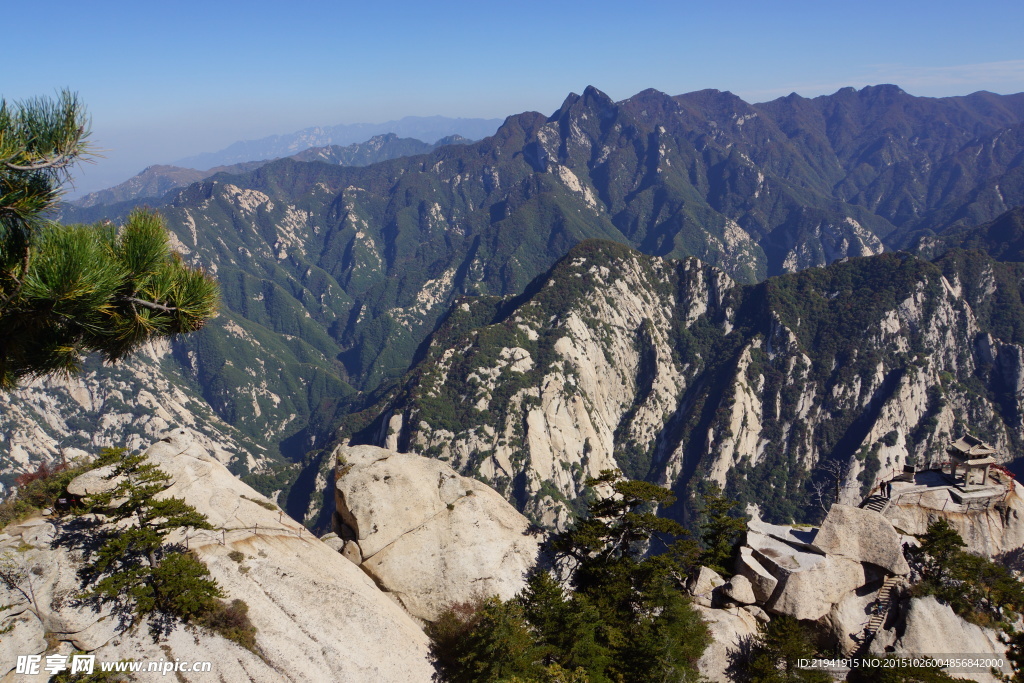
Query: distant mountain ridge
point(1001, 238)
point(155, 181)
point(427, 128)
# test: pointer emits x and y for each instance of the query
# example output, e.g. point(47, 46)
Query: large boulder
point(808, 583)
point(849, 617)
point(862, 535)
point(318, 616)
point(781, 558)
point(730, 629)
point(428, 535)
point(810, 593)
point(799, 537)
point(92, 482)
point(739, 590)
point(703, 584)
point(761, 579)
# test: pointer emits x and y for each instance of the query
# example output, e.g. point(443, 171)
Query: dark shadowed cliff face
point(674, 373)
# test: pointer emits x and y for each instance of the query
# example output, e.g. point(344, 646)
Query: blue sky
point(164, 80)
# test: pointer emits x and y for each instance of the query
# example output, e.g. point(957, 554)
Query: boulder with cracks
point(427, 535)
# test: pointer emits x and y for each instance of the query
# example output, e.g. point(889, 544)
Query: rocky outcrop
point(318, 616)
point(702, 586)
point(427, 535)
point(848, 576)
point(761, 580)
point(862, 535)
point(128, 405)
point(811, 573)
point(608, 355)
point(811, 593)
point(729, 629)
point(927, 626)
point(990, 532)
point(847, 619)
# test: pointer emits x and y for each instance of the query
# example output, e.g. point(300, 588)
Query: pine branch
point(150, 304)
point(58, 162)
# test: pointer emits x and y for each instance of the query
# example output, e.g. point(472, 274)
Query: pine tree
point(720, 532)
point(133, 567)
point(70, 290)
point(40, 140)
point(626, 618)
point(1015, 653)
point(975, 587)
point(775, 653)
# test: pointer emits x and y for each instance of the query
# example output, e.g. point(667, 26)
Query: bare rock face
point(761, 580)
point(92, 482)
point(800, 538)
point(810, 593)
point(729, 628)
point(848, 618)
point(428, 535)
point(862, 535)
point(779, 558)
point(318, 617)
point(42, 419)
point(930, 627)
point(703, 585)
point(989, 532)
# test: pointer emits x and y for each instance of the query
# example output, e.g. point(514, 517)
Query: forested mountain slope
point(675, 373)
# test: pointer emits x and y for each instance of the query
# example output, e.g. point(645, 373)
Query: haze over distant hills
point(427, 128)
point(155, 181)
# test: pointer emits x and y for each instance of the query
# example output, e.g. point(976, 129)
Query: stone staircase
point(883, 602)
point(877, 503)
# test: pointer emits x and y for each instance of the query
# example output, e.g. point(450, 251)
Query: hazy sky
point(165, 80)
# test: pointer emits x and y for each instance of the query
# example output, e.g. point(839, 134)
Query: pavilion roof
point(971, 448)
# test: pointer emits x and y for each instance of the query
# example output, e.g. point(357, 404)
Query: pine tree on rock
point(624, 616)
point(133, 567)
point(720, 531)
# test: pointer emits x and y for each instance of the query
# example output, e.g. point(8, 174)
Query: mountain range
point(335, 278)
point(155, 181)
point(430, 128)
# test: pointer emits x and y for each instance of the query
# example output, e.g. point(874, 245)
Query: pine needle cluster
point(68, 290)
point(40, 139)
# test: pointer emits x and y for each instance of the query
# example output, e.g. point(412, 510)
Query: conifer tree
point(720, 532)
point(623, 617)
point(70, 290)
point(133, 567)
point(775, 655)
